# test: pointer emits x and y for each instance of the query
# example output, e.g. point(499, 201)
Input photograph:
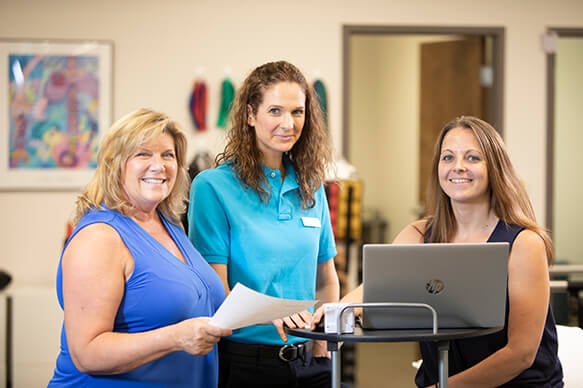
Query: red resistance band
point(198, 104)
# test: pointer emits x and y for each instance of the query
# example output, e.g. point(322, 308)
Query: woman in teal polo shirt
point(261, 218)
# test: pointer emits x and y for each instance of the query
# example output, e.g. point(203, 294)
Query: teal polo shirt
point(273, 248)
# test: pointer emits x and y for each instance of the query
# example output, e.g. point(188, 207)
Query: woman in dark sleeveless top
point(475, 195)
point(546, 368)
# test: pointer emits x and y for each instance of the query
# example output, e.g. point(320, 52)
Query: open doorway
point(564, 138)
point(564, 48)
point(401, 84)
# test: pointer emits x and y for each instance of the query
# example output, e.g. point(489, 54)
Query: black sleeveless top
point(546, 370)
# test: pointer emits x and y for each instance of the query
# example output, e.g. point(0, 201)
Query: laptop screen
point(466, 283)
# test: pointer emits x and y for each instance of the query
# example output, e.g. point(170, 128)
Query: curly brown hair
point(310, 155)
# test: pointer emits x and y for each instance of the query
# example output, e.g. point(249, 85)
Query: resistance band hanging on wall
point(198, 105)
point(320, 90)
point(227, 95)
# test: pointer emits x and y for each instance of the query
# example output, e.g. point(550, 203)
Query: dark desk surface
point(361, 335)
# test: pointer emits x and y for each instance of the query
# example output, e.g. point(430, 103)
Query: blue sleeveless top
point(546, 370)
point(161, 291)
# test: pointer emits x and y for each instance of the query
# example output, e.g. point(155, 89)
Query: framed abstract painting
point(55, 105)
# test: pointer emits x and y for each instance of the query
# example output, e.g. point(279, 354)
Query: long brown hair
point(311, 154)
point(119, 143)
point(508, 196)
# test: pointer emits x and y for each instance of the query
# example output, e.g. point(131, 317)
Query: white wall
point(160, 46)
point(36, 321)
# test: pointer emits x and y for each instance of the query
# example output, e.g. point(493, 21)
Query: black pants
point(247, 365)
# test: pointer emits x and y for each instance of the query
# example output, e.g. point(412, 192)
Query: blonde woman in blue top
point(136, 295)
point(261, 219)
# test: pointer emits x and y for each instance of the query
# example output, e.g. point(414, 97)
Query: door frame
point(551, 86)
point(496, 33)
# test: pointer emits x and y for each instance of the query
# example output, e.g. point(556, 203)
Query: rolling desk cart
point(441, 336)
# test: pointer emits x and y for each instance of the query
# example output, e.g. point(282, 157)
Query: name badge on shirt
point(311, 222)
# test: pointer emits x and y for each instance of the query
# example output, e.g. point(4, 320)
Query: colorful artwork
point(55, 106)
point(54, 118)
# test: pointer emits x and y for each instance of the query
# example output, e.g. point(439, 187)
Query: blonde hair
point(310, 156)
point(508, 196)
point(124, 137)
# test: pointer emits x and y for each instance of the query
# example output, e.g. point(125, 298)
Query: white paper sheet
point(245, 307)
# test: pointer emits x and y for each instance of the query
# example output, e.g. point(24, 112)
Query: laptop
point(464, 282)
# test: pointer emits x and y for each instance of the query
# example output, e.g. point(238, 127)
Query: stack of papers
point(245, 307)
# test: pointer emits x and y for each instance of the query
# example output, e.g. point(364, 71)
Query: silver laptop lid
point(465, 283)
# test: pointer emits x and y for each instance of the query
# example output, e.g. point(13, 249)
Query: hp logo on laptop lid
point(434, 286)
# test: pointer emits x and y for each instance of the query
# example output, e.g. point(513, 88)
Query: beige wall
point(568, 187)
point(384, 137)
point(160, 47)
